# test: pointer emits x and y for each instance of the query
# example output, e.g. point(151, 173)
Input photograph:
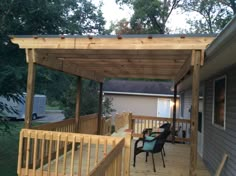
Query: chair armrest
point(155, 133)
point(147, 131)
point(136, 143)
point(154, 139)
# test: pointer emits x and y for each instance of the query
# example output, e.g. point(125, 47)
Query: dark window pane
point(219, 103)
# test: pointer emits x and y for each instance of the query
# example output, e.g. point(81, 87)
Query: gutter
point(138, 94)
point(215, 59)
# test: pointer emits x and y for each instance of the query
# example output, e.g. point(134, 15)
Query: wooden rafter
point(188, 65)
point(59, 65)
point(96, 58)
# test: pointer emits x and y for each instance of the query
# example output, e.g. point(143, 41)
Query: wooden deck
point(176, 160)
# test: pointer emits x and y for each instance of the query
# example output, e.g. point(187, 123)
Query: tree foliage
point(214, 14)
point(36, 17)
point(150, 16)
point(107, 106)
point(204, 16)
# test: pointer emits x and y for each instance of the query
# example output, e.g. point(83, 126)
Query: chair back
point(166, 126)
point(160, 141)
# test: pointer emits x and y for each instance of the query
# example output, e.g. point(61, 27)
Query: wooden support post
point(130, 121)
point(30, 54)
point(77, 108)
point(127, 154)
point(100, 109)
point(194, 114)
point(174, 114)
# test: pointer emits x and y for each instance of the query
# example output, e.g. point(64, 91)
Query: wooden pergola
point(167, 57)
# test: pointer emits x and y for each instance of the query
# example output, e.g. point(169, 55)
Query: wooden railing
point(89, 155)
point(121, 120)
point(67, 125)
point(138, 123)
point(106, 127)
point(89, 124)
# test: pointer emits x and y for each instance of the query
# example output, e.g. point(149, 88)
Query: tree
point(121, 27)
point(214, 15)
point(89, 98)
point(230, 3)
point(36, 17)
point(107, 106)
point(150, 16)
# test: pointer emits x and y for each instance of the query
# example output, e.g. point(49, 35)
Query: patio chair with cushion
point(166, 127)
point(151, 145)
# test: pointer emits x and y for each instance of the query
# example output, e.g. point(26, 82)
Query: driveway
point(51, 116)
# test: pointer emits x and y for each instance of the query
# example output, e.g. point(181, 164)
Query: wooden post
point(174, 114)
point(194, 115)
point(127, 154)
point(77, 108)
point(130, 121)
point(100, 109)
point(30, 54)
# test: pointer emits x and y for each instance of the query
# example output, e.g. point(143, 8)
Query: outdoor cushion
point(149, 145)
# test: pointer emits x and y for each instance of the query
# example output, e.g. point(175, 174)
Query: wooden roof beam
point(147, 76)
point(66, 67)
point(188, 65)
point(174, 43)
point(126, 61)
point(113, 52)
point(74, 57)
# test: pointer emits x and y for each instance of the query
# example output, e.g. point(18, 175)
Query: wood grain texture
point(114, 43)
point(97, 58)
point(77, 107)
point(194, 115)
point(177, 162)
point(74, 161)
point(30, 88)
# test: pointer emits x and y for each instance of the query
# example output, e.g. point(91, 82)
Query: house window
point(219, 101)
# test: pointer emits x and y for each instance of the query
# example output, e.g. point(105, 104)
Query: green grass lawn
point(9, 149)
point(52, 107)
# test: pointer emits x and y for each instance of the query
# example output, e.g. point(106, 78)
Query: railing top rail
point(89, 116)
point(54, 124)
point(64, 122)
point(63, 136)
point(101, 167)
point(140, 117)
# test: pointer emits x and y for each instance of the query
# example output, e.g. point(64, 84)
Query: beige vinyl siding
point(139, 105)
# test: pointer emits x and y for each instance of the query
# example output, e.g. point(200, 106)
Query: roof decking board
point(160, 58)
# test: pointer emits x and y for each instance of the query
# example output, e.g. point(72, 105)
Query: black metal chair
point(166, 127)
point(159, 142)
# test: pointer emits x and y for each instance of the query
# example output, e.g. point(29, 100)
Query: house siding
point(187, 102)
point(139, 105)
point(218, 141)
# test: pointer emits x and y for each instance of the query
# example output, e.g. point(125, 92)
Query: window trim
point(213, 103)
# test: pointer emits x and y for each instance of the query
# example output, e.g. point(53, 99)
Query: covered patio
point(162, 57)
point(177, 163)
